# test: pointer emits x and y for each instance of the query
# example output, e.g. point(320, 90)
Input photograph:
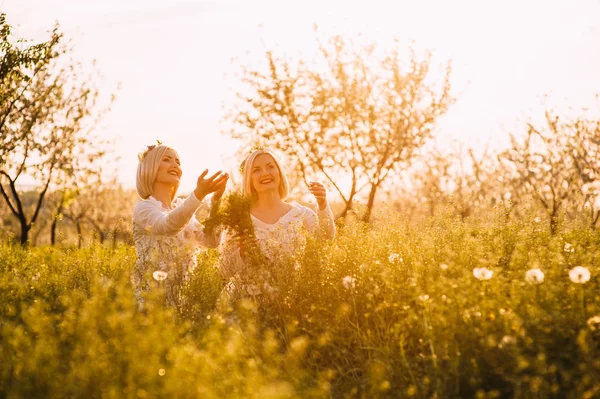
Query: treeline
point(359, 117)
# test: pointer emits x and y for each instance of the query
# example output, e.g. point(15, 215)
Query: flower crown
point(149, 148)
point(255, 147)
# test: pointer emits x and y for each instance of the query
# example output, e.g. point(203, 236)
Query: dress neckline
point(285, 215)
point(173, 203)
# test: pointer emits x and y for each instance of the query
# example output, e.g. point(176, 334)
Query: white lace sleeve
point(324, 220)
point(149, 215)
point(196, 231)
point(230, 261)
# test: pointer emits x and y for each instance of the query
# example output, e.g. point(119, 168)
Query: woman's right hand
point(205, 186)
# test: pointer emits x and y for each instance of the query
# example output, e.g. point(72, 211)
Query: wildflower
point(534, 276)
point(537, 219)
point(568, 248)
point(349, 282)
point(269, 290)
point(507, 340)
point(253, 290)
point(424, 298)
point(161, 372)
point(594, 323)
point(395, 259)
point(482, 273)
point(159, 275)
point(444, 266)
point(579, 275)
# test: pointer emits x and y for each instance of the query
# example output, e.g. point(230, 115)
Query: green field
point(383, 311)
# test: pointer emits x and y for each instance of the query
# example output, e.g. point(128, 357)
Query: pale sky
point(173, 60)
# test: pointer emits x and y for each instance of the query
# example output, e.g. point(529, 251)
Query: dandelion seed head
point(349, 282)
point(568, 248)
point(482, 273)
point(253, 290)
point(507, 340)
point(534, 276)
point(579, 275)
point(395, 259)
point(593, 323)
point(159, 275)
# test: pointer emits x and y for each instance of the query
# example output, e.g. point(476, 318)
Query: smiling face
point(169, 170)
point(265, 174)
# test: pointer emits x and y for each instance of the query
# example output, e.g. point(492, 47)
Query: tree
point(47, 114)
point(541, 165)
point(357, 118)
point(19, 64)
point(109, 208)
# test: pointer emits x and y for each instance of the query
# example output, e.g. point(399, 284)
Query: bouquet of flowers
point(233, 214)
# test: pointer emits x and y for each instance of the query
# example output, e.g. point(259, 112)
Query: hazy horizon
point(173, 61)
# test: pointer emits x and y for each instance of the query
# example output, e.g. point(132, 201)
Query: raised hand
point(214, 183)
point(318, 190)
point(218, 193)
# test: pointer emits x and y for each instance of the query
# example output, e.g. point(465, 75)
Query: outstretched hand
point(218, 193)
point(214, 183)
point(318, 190)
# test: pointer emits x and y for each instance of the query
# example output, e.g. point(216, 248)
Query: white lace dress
point(167, 242)
point(281, 243)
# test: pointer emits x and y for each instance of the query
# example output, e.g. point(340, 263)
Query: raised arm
point(321, 224)
point(149, 215)
point(324, 214)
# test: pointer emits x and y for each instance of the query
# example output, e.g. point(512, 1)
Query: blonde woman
point(166, 233)
point(280, 227)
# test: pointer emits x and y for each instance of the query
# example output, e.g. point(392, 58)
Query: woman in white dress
point(280, 228)
point(165, 230)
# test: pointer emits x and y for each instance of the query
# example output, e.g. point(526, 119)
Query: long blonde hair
point(247, 189)
point(148, 168)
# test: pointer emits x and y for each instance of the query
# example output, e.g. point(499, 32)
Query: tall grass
point(383, 311)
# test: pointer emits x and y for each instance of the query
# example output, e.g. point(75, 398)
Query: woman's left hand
point(318, 190)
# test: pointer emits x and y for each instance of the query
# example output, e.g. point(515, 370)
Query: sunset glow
point(173, 60)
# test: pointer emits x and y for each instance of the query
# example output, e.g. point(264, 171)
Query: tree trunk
point(347, 208)
point(553, 223)
point(79, 235)
point(370, 202)
point(114, 238)
point(53, 227)
point(101, 236)
point(25, 228)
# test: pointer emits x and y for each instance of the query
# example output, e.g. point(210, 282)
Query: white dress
point(281, 243)
point(167, 242)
